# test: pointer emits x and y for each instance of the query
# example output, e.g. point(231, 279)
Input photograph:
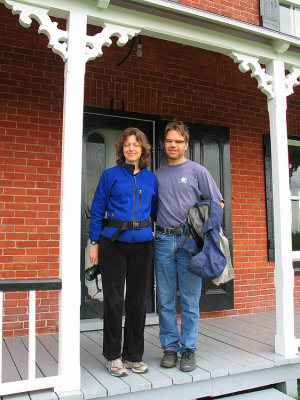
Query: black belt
point(170, 231)
point(124, 226)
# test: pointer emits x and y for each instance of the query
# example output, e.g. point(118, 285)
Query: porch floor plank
point(172, 375)
point(90, 386)
point(134, 381)
point(247, 360)
point(234, 353)
point(207, 366)
point(247, 330)
point(10, 372)
point(19, 354)
point(237, 341)
point(50, 342)
point(208, 350)
point(48, 365)
point(89, 356)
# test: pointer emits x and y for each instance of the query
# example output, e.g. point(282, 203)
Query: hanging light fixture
point(139, 52)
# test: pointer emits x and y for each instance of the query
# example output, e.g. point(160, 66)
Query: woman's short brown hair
point(143, 141)
point(180, 127)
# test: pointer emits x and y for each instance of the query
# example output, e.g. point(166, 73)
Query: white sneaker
point(138, 367)
point(116, 367)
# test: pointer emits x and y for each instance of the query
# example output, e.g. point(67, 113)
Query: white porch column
point(277, 86)
point(285, 342)
point(69, 323)
point(81, 48)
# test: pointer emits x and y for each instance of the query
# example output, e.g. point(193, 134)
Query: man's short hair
point(180, 127)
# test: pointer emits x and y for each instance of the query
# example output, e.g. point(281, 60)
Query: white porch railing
point(32, 382)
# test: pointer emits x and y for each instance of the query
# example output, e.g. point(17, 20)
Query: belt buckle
point(177, 231)
point(135, 225)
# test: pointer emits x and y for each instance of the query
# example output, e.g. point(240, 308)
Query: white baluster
point(32, 339)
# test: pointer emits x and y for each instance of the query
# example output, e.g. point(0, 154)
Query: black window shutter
point(269, 197)
point(269, 14)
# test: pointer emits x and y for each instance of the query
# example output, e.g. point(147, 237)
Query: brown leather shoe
point(187, 362)
point(169, 359)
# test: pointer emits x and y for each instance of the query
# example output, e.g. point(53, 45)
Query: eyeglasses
point(169, 141)
point(129, 145)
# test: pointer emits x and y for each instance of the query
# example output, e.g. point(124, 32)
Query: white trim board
point(93, 324)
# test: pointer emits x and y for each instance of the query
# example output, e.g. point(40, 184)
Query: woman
point(124, 242)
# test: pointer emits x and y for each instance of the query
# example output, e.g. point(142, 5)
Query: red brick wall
point(170, 80)
point(31, 92)
point(243, 10)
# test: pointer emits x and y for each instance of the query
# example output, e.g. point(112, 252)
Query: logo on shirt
point(183, 180)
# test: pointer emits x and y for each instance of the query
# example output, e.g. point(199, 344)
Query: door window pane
point(95, 164)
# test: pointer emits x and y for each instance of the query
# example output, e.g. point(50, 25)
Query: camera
point(92, 272)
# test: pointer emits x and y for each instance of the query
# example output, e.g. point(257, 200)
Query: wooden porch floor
point(235, 353)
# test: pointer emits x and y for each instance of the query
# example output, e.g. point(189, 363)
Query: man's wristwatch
point(94, 242)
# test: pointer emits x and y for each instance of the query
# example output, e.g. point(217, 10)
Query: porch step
point(267, 394)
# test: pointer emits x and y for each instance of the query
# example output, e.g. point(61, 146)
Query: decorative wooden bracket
point(96, 42)
point(264, 80)
point(58, 38)
point(292, 80)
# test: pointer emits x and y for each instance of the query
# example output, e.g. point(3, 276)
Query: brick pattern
point(247, 11)
point(31, 92)
point(16, 317)
point(170, 80)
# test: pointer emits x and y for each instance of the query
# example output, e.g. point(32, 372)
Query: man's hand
point(221, 203)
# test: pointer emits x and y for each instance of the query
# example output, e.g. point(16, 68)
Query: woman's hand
point(94, 254)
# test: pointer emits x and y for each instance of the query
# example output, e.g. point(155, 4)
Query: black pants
point(120, 262)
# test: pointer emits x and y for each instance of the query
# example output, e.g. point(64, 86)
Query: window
point(289, 17)
point(294, 170)
point(281, 15)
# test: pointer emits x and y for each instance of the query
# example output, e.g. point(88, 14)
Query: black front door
point(101, 130)
point(209, 146)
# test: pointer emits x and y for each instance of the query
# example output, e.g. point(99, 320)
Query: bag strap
point(124, 226)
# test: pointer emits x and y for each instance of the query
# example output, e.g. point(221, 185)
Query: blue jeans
point(171, 266)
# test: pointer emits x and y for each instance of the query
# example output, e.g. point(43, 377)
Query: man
point(181, 184)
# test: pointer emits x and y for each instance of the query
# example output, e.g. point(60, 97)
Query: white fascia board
point(190, 30)
point(193, 35)
point(208, 16)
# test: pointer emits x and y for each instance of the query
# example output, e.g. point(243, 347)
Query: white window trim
point(293, 3)
point(293, 8)
point(296, 253)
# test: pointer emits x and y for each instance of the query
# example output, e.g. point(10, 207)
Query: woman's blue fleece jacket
point(125, 197)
